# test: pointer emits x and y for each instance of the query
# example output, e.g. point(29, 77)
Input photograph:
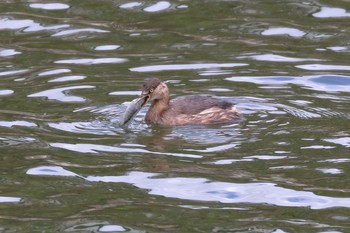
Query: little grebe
point(186, 110)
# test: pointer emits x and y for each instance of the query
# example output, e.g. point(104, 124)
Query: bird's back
point(194, 104)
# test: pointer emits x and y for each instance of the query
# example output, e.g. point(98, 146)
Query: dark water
point(68, 70)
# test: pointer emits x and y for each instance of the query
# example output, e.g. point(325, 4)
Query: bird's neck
point(155, 112)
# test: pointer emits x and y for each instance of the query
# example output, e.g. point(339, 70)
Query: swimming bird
point(185, 110)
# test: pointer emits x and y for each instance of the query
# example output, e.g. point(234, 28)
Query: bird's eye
point(151, 90)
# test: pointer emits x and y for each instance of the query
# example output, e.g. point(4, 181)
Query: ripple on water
point(16, 140)
point(215, 148)
point(107, 120)
point(303, 109)
point(249, 159)
point(109, 110)
point(93, 128)
point(301, 113)
point(96, 148)
point(206, 135)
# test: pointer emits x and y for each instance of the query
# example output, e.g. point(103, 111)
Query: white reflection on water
point(277, 58)
point(317, 147)
point(12, 72)
point(106, 47)
point(17, 123)
point(330, 170)
point(344, 141)
point(329, 12)
point(320, 83)
point(111, 228)
point(9, 199)
point(92, 61)
point(8, 52)
point(98, 227)
point(340, 160)
point(59, 94)
point(55, 71)
point(50, 171)
point(28, 24)
point(249, 159)
point(6, 92)
point(49, 6)
point(155, 68)
point(121, 93)
point(337, 48)
point(159, 6)
point(219, 89)
point(74, 31)
point(322, 67)
point(293, 32)
point(67, 78)
point(214, 72)
point(201, 189)
point(130, 5)
point(182, 6)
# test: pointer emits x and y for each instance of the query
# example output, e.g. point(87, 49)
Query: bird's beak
point(133, 108)
point(143, 99)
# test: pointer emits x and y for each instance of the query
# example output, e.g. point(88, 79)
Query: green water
point(68, 71)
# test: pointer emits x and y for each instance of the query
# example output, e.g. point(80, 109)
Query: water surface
point(68, 70)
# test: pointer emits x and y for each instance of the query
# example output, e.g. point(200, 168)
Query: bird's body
point(185, 110)
point(192, 109)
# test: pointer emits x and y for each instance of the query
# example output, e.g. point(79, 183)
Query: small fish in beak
point(133, 108)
